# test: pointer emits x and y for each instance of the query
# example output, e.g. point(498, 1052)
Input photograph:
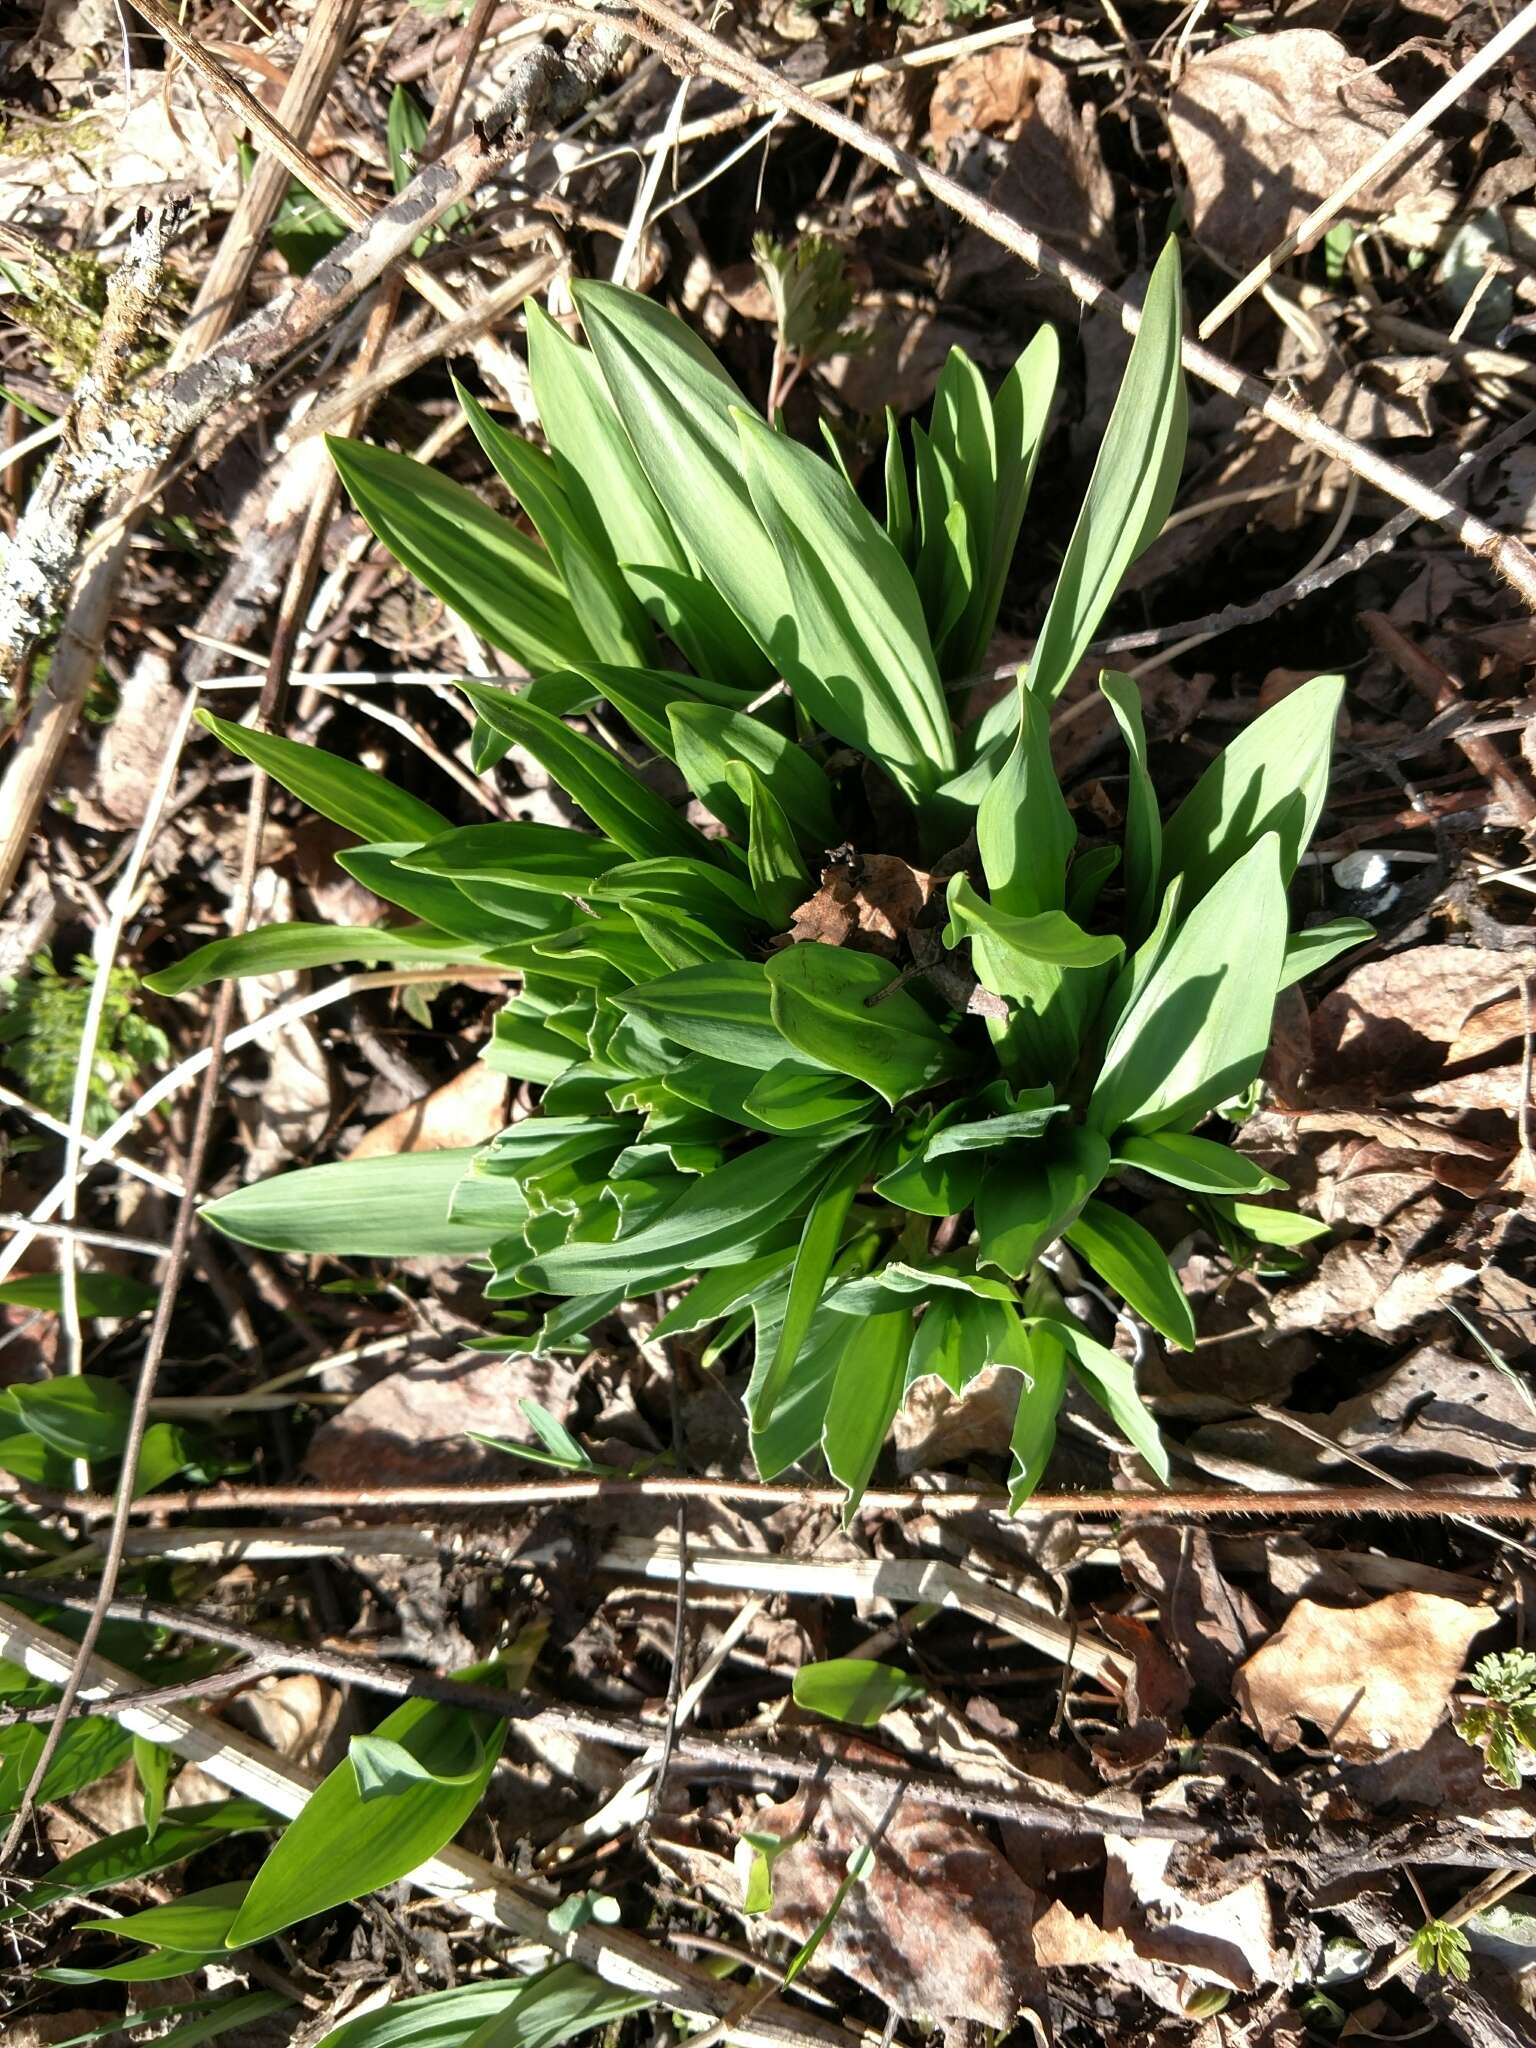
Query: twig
point(1301, 238)
point(683, 43)
point(1194, 1504)
point(1443, 693)
point(675, 1678)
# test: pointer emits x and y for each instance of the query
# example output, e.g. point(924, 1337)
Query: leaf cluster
point(874, 1166)
point(1502, 1723)
point(42, 1017)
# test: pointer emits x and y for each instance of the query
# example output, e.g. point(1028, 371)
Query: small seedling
point(1502, 1723)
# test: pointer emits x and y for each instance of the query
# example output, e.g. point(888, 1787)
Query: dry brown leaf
point(1390, 1021)
point(1055, 181)
point(414, 1424)
point(1266, 127)
point(1228, 1940)
point(990, 92)
point(868, 901)
point(299, 1717)
point(1210, 1623)
point(468, 1110)
point(935, 1424)
point(941, 1925)
point(1065, 1940)
point(1374, 1679)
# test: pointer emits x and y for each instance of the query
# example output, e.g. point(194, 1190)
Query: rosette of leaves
point(1501, 1722)
point(864, 1159)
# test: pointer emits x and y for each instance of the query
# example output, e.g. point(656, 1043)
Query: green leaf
point(611, 615)
point(154, 1765)
point(383, 1769)
point(793, 1096)
point(550, 859)
point(1307, 951)
point(1025, 1203)
point(1020, 415)
point(987, 1133)
point(723, 1009)
point(1196, 1032)
point(613, 797)
point(146, 1969)
point(346, 793)
point(717, 1222)
point(898, 497)
point(853, 646)
point(773, 859)
point(499, 582)
point(1272, 778)
point(821, 1003)
point(138, 1852)
point(959, 1336)
point(1112, 1382)
point(708, 739)
point(871, 1378)
point(98, 1294)
point(196, 1924)
point(1009, 953)
point(676, 404)
point(81, 1415)
point(1024, 831)
point(359, 1208)
point(541, 2011)
point(855, 1690)
point(89, 1748)
point(1195, 1163)
point(1044, 1366)
point(1132, 488)
point(1129, 1259)
point(1274, 1226)
point(1143, 820)
point(289, 948)
point(820, 1239)
point(342, 1845)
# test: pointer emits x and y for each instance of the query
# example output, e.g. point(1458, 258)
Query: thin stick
point(664, 29)
point(1302, 237)
point(1195, 1504)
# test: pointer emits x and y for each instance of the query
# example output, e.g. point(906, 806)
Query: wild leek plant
point(840, 1055)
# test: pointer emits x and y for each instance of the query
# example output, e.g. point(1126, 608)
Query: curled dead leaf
point(467, 1110)
point(1376, 1679)
point(866, 900)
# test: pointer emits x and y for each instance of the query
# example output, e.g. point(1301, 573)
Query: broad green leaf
point(1020, 415)
point(1026, 1201)
point(1274, 1226)
point(645, 697)
point(154, 1764)
point(1198, 1028)
point(146, 1969)
point(544, 2010)
point(1112, 1382)
point(89, 1748)
point(79, 1414)
point(898, 496)
point(1024, 831)
point(1129, 1259)
point(343, 791)
point(1086, 877)
point(1043, 1363)
point(613, 797)
point(135, 1852)
point(944, 573)
point(707, 739)
point(197, 1924)
point(959, 1336)
point(553, 859)
point(611, 616)
point(718, 1294)
point(814, 1257)
point(1132, 488)
point(962, 434)
point(723, 1010)
point(793, 1096)
point(938, 1184)
point(1195, 1163)
point(1272, 778)
point(359, 1208)
point(773, 859)
point(1009, 952)
point(342, 1845)
point(97, 1294)
point(821, 998)
point(987, 1133)
point(383, 1768)
point(499, 582)
point(871, 1377)
point(1307, 951)
point(855, 1690)
point(676, 404)
point(289, 948)
point(478, 916)
point(717, 1222)
point(1143, 820)
point(856, 654)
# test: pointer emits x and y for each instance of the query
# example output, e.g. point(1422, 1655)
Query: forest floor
point(1187, 1778)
